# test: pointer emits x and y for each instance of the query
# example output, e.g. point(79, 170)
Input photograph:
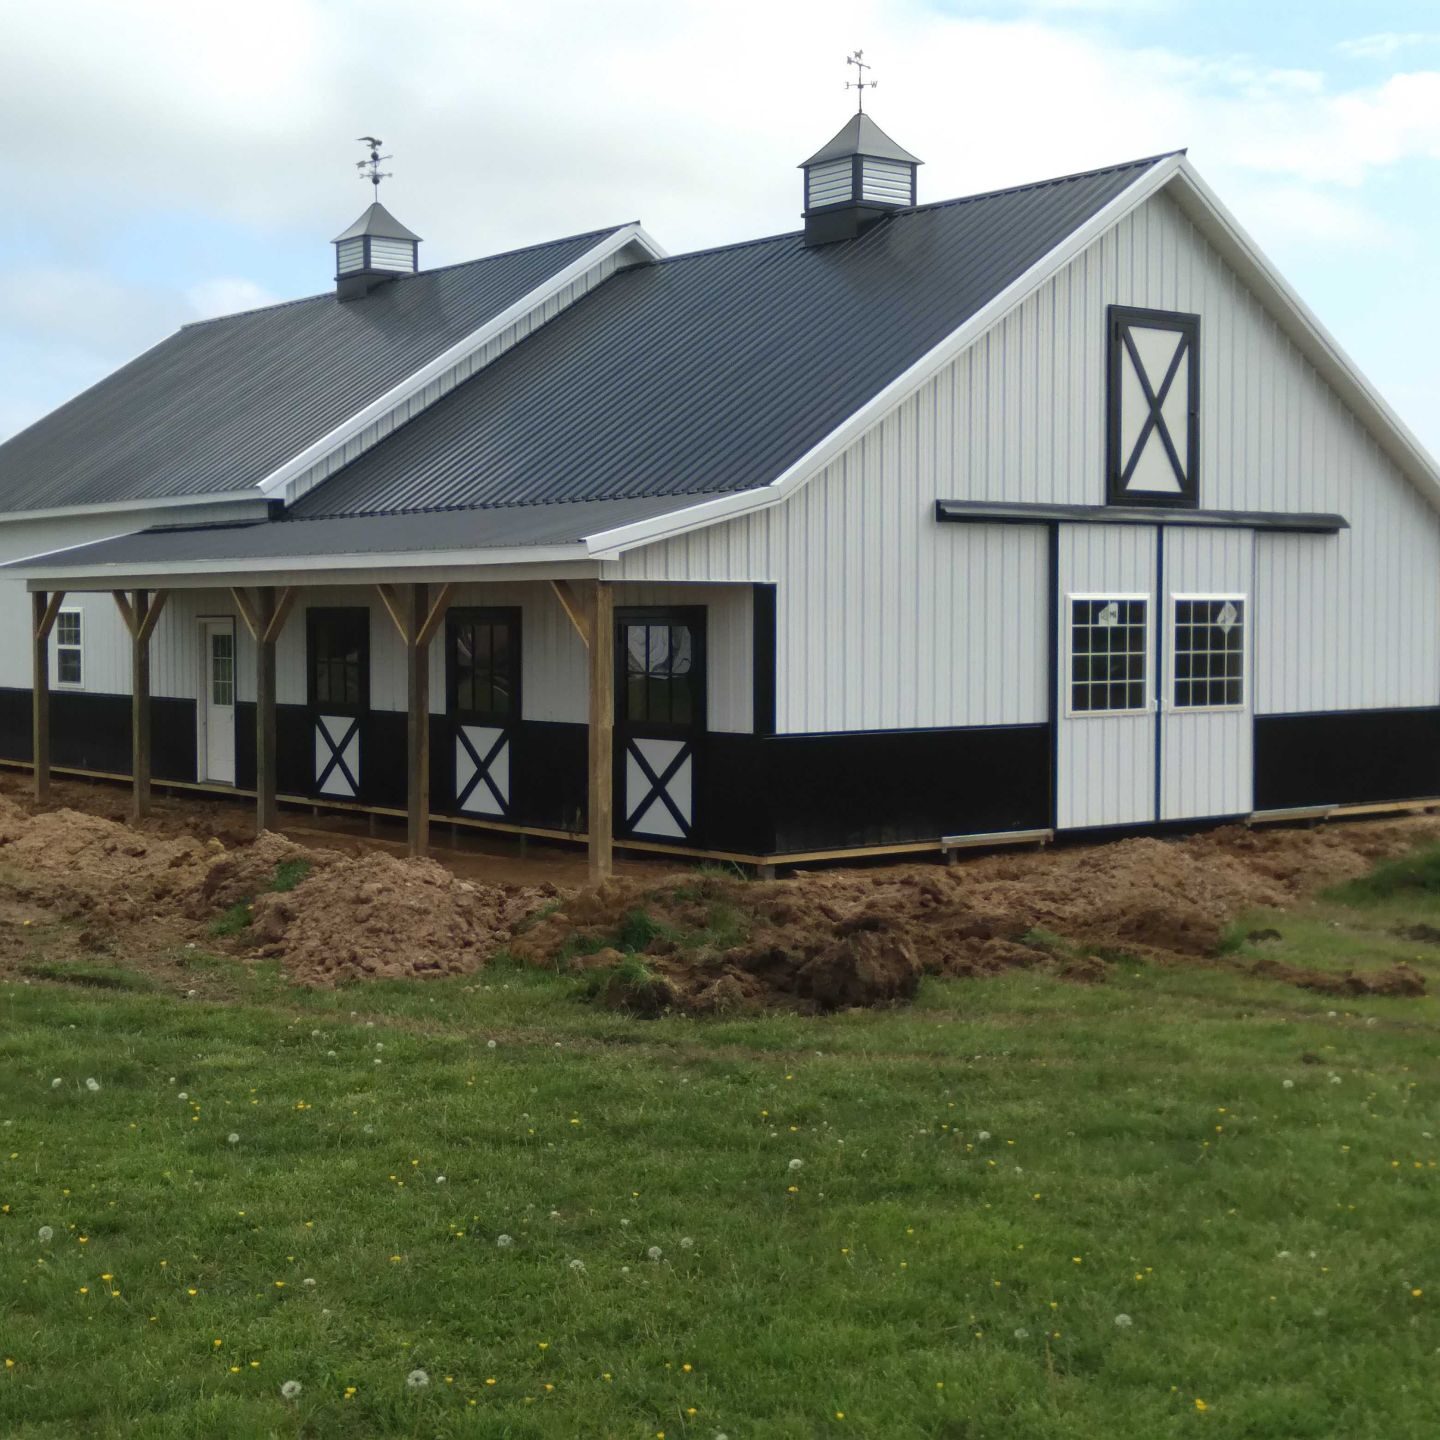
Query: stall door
point(1105, 711)
point(338, 654)
point(217, 640)
point(1206, 711)
point(482, 690)
point(659, 721)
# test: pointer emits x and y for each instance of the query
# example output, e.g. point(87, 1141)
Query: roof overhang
point(1171, 173)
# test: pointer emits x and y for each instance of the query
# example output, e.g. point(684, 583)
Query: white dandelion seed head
point(379, 1044)
point(417, 1379)
point(439, 1179)
point(46, 1234)
point(368, 1129)
point(56, 1083)
point(983, 1135)
point(1334, 1079)
point(1021, 1333)
point(624, 1224)
point(1124, 1321)
point(489, 1044)
point(330, 1054)
point(624, 1269)
point(554, 1214)
point(577, 1265)
point(796, 1164)
point(92, 1084)
point(309, 1282)
point(655, 1253)
point(314, 1034)
point(232, 1138)
point(687, 1243)
point(291, 1389)
point(1287, 1084)
point(378, 1060)
point(504, 1242)
point(183, 1095)
point(1369, 1019)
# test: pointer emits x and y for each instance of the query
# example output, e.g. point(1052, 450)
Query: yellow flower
point(9, 1363)
point(192, 1292)
point(839, 1414)
point(491, 1380)
point(1200, 1405)
point(1417, 1293)
point(279, 1284)
point(217, 1343)
point(543, 1344)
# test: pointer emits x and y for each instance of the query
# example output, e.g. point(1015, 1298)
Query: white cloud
point(1386, 44)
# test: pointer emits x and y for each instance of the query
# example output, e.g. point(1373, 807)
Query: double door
point(1153, 711)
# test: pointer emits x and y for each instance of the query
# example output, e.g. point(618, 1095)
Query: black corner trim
point(762, 654)
point(978, 512)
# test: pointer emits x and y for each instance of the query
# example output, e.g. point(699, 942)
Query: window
point(661, 672)
point(69, 661)
point(222, 667)
point(1209, 660)
point(484, 663)
point(1153, 425)
point(1108, 647)
point(339, 646)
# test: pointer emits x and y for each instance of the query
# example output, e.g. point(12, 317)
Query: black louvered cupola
point(861, 175)
point(376, 248)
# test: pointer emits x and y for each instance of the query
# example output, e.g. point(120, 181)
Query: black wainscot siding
point(90, 731)
point(1347, 757)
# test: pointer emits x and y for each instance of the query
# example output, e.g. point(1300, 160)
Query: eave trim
point(984, 512)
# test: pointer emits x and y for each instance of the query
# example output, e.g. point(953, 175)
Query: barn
point(1046, 510)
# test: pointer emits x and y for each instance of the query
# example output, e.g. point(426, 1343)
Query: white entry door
point(1105, 712)
point(1206, 710)
point(218, 700)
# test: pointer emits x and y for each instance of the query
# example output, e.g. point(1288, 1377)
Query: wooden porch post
point(417, 669)
point(44, 611)
point(267, 810)
point(141, 613)
point(602, 729)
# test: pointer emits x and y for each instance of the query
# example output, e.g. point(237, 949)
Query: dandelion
point(489, 1044)
point(46, 1234)
point(308, 1282)
point(56, 1083)
point(417, 1379)
point(290, 1389)
point(1200, 1405)
point(1022, 1333)
point(577, 1265)
point(92, 1084)
point(1124, 1321)
point(183, 1095)
point(439, 1179)
point(687, 1243)
point(983, 1135)
point(232, 1138)
point(503, 1242)
point(655, 1253)
point(796, 1164)
point(1286, 1085)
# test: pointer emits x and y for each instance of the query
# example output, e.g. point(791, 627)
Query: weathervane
point(861, 84)
point(370, 169)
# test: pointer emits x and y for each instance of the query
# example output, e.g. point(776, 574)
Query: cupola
point(861, 175)
point(376, 248)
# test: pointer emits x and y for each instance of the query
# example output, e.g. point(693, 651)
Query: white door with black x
point(338, 662)
point(659, 721)
point(482, 700)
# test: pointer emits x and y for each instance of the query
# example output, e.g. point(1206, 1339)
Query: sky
point(162, 162)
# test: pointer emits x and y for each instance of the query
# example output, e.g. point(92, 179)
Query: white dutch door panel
point(482, 770)
point(659, 798)
point(1206, 724)
point(218, 712)
point(337, 755)
point(1107, 655)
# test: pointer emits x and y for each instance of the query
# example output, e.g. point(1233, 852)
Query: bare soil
point(820, 940)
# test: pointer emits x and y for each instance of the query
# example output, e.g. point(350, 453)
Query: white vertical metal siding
point(1206, 760)
point(865, 575)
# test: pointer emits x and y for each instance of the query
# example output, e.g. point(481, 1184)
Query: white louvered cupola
point(859, 176)
point(376, 248)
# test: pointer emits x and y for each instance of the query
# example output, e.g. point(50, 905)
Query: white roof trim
point(625, 537)
point(1204, 208)
point(288, 480)
point(248, 504)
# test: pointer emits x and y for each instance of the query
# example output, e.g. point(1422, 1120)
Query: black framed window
point(1153, 421)
point(69, 648)
point(1209, 656)
point(483, 664)
point(1109, 647)
point(662, 671)
point(338, 645)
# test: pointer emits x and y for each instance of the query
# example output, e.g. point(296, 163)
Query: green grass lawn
point(1184, 1202)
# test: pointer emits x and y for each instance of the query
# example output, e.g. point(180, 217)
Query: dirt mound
point(379, 917)
point(1398, 979)
point(239, 874)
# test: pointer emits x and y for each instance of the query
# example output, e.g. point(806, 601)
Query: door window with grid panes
point(1109, 648)
point(222, 667)
point(1208, 662)
point(661, 681)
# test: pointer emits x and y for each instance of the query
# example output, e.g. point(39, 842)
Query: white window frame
point(79, 615)
point(1170, 707)
point(1067, 620)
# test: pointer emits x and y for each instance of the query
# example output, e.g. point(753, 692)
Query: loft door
point(1206, 710)
point(659, 721)
point(482, 703)
point(338, 659)
point(1106, 688)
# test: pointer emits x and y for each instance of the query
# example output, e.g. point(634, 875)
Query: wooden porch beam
point(267, 810)
point(602, 727)
point(283, 607)
point(575, 606)
point(395, 604)
point(152, 617)
point(436, 617)
point(141, 627)
point(417, 670)
point(247, 610)
point(127, 611)
point(43, 612)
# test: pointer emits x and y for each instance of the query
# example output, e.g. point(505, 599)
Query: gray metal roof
point(221, 404)
point(860, 135)
point(211, 546)
point(714, 371)
point(376, 220)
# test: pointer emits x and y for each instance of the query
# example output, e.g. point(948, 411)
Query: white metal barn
point(1046, 509)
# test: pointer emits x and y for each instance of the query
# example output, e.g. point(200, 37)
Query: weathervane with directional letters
point(860, 84)
point(370, 168)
